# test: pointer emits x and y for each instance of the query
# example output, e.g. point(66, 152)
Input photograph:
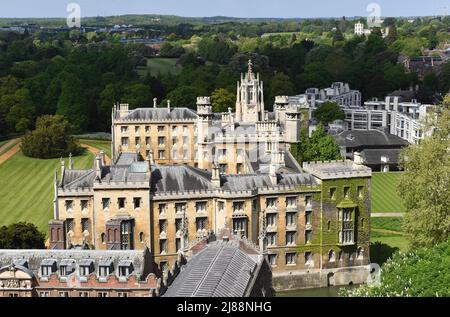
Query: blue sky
point(235, 8)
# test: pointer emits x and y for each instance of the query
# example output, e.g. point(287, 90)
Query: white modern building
point(403, 119)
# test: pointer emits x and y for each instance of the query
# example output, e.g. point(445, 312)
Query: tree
point(280, 85)
point(328, 112)
point(424, 185)
point(216, 50)
point(420, 273)
point(184, 96)
point(169, 50)
point(21, 110)
point(51, 139)
point(21, 236)
point(137, 96)
point(71, 103)
point(320, 147)
point(223, 99)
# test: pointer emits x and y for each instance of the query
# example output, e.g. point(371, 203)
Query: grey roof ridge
point(294, 160)
point(192, 170)
point(88, 172)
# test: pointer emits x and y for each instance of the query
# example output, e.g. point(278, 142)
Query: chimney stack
point(63, 167)
point(168, 105)
point(155, 102)
point(273, 173)
point(98, 167)
point(215, 177)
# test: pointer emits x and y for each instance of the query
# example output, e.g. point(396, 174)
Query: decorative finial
point(250, 66)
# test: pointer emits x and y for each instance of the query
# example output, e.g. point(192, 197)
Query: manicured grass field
point(160, 65)
point(386, 237)
point(101, 145)
point(384, 193)
point(26, 188)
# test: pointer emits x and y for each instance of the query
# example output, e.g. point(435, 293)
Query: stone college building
point(179, 176)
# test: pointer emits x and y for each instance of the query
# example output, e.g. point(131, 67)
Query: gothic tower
point(250, 97)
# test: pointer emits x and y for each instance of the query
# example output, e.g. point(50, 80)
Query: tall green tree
point(223, 99)
point(137, 95)
point(424, 185)
point(328, 112)
point(71, 102)
point(320, 147)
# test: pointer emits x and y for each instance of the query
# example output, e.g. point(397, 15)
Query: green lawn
point(386, 237)
point(160, 65)
point(101, 145)
point(384, 193)
point(3, 142)
point(27, 188)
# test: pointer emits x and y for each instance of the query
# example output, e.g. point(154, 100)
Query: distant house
point(376, 149)
point(423, 65)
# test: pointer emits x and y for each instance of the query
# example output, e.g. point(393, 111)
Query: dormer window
point(105, 268)
point(46, 270)
point(48, 267)
point(86, 267)
point(66, 267)
point(125, 268)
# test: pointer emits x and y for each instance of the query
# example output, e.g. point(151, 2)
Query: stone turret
point(250, 97)
point(204, 107)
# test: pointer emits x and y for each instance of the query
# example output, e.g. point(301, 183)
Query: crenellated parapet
point(337, 169)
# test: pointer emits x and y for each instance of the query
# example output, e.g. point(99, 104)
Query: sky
point(231, 8)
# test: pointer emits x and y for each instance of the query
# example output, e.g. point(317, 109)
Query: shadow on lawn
point(380, 252)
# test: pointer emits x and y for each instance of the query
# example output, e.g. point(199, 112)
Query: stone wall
point(304, 279)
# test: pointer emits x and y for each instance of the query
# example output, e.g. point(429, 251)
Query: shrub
point(51, 139)
point(21, 236)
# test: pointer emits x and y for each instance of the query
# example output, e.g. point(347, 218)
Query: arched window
point(102, 237)
point(362, 223)
point(141, 237)
point(329, 225)
point(331, 256)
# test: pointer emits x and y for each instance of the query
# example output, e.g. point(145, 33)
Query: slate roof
point(250, 182)
point(369, 139)
point(161, 114)
point(167, 178)
point(222, 269)
point(262, 165)
point(35, 258)
point(373, 157)
point(78, 179)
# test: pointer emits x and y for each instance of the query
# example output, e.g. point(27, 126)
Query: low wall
point(304, 279)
